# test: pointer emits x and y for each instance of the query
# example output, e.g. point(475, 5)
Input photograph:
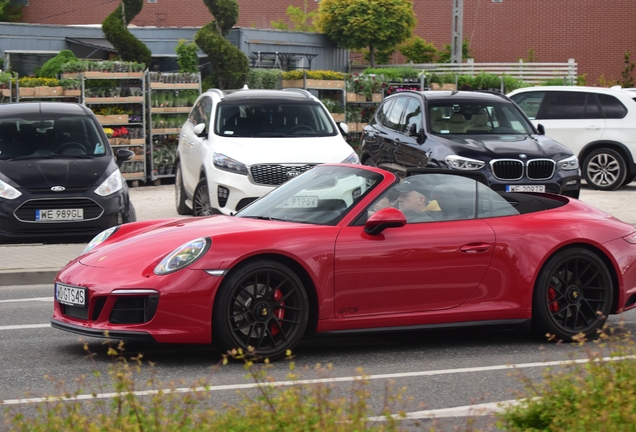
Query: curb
point(28, 277)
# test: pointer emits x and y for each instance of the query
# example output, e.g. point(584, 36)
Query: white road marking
point(39, 299)
point(24, 326)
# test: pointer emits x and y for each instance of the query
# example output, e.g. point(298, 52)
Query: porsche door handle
point(475, 247)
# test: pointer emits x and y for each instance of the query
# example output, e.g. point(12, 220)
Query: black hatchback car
point(472, 131)
point(59, 178)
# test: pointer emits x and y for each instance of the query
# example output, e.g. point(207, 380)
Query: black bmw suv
point(472, 131)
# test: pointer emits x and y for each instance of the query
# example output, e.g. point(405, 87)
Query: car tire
point(262, 309)
point(131, 214)
point(573, 295)
point(604, 169)
point(370, 162)
point(630, 178)
point(179, 192)
point(201, 205)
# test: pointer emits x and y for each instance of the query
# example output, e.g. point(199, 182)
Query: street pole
point(458, 40)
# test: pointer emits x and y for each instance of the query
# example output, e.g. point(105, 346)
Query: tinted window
point(201, 112)
point(563, 106)
point(529, 102)
point(455, 116)
point(612, 107)
point(412, 116)
point(592, 109)
point(272, 118)
point(392, 120)
point(383, 111)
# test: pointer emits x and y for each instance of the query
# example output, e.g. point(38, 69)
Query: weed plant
point(595, 394)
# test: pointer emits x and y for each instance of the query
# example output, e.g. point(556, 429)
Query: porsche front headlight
point(183, 256)
point(112, 184)
point(100, 238)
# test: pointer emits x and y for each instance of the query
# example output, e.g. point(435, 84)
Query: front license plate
point(300, 202)
point(71, 296)
point(59, 215)
point(525, 188)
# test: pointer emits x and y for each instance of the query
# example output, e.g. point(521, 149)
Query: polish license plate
point(525, 188)
point(71, 296)
point(59, 215)
point(300, 202)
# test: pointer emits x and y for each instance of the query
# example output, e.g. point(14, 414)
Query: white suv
point(597, 124)
point(238, 145)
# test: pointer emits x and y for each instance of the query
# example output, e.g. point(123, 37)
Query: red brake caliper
point(553, 305)
point(278, 312)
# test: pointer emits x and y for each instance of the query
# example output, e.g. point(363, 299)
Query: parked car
point(597, 124)
point(236, 146)
point(318, 254)
point(468, 131)
point(59, 178)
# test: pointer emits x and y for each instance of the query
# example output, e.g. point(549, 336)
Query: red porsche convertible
point(353, 248)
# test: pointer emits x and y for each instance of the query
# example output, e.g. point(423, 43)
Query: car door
point(571, 118)
point(191, 145)
point(408, 152)
point(421, 266)
point(390, 137)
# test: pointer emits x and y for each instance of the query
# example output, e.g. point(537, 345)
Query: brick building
point(596, 33)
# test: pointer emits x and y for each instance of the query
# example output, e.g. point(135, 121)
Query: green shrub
point(597, 395)
point(264, 78)
point(53, 67)
point(313, 74)
point(187, 57)
point(300, 406)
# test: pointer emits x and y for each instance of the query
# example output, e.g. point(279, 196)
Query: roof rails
point(217, 91)
point(301, 91)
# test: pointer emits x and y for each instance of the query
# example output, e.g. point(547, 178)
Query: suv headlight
point(112, 184)
point(352, 159)
point(183, 256)
point(570, 163)
point(228, 164)
point(8, 192)
point(464, 163)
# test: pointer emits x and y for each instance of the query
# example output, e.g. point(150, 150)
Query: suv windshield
point(472, 117)
point(37, 135)
point(269, 118)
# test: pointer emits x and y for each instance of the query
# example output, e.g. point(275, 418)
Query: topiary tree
point(357, 24)
point(418, 50)
point(10, 12)
point(229, 63)
point(53, 67)
point(115, 29)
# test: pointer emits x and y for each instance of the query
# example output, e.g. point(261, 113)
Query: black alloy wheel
point(201, 202)
point(573, 295)
point(604, 169)
point(179, 192)
point(262, 306)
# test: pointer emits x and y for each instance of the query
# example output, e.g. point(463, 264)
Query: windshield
point(267, 118)
point(474, 117)
point(322, 195)
point(51, 136)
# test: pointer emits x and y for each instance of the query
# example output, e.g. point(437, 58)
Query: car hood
point(44, 173)
point(143, 245)
point(311, 150)
point(506, 146)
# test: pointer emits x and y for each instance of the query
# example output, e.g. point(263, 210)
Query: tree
point(418, 50)
point(301, 19)
point(626, 74)
point(53, 67)
point(115, 29)
point(376, 24)
point(187, 57)
point(10, 12)
point(229, 63)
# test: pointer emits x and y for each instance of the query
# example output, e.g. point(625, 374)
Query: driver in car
point(413, 200)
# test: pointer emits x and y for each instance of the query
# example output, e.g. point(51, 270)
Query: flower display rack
point(170, 98)
point(117, 99)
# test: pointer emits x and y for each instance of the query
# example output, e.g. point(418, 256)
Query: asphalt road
point(438, 369)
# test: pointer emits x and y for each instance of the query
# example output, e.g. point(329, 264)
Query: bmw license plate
point(71, 296)
point(59, 215)
point(525, 188)
point(300, 202)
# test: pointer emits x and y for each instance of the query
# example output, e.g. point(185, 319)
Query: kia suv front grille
point(275, 175)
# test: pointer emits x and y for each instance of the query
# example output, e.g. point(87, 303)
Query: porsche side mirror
point(541, 129)
point(123, 155)
point(385, 218)
point(199, 130)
